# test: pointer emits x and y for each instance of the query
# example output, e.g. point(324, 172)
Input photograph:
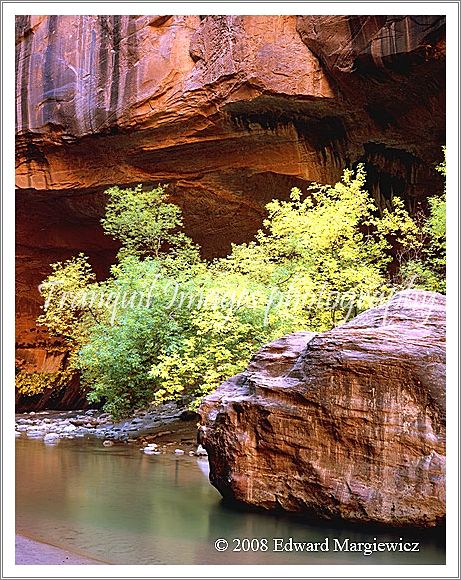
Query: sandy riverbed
point(32, 552)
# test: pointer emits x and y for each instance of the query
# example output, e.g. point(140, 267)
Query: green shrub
point(427, 269)
point(166, 324)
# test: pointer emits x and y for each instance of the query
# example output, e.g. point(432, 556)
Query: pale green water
point(120, 506)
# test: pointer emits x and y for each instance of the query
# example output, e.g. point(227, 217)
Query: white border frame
point(9, 10)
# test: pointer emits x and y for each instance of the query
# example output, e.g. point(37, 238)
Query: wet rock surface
point(350, 425)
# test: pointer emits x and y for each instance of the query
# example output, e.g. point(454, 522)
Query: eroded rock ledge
point(345, 424)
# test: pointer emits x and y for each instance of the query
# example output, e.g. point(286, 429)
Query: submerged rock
point(51, 438)
point(346, 424)
point(149, 450)
point(201, 451)
point(35, 434)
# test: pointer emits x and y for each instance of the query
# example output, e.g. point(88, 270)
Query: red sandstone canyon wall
point(231, 111)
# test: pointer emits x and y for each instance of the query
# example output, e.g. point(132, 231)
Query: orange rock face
point(231, 111)
point(348, 424)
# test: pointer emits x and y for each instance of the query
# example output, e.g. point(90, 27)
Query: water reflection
point(121, 506)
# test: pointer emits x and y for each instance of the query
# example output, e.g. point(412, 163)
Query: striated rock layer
point(231, 111)
point(346, 424)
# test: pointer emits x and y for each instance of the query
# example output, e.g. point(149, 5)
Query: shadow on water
point(119, 505)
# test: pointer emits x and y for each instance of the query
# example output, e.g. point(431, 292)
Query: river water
point(120, 506)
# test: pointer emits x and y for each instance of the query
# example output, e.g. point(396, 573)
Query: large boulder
point(345, 424)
